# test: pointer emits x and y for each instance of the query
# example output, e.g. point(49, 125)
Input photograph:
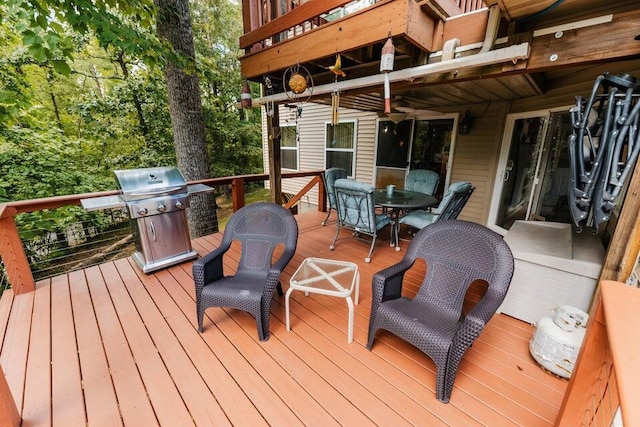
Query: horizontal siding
point(475, 158)
point(311, 149)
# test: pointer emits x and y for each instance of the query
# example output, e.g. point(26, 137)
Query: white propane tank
point(556, 342)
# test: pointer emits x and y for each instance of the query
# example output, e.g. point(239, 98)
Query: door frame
point(414, 118)
point(505, 147)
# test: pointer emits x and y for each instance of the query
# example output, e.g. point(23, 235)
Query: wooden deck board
point(37, 390)
point(67, 396)
point(97, 381)
point(111, 345)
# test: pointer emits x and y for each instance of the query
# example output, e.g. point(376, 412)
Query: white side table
point(326, 277)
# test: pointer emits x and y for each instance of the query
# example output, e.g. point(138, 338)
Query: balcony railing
point(267, 22)
point(28, 255)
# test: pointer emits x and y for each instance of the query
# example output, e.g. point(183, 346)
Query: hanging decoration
point(300, 83)
point(386, 65)
point(335, 107)
point(245, 96)
point(336, 69)
point(269, 105)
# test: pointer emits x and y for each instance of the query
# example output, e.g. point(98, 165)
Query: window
point(288, 147)
point(340, 146)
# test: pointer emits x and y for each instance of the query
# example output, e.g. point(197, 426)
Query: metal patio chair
point(259, 228)
point(456, 254)
point(329, 177)
point(450, 206)
point(356, 211)
point(422, 181)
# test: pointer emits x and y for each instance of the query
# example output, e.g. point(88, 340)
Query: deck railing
point(19, 266)
point(606, 381)
point(267, 22)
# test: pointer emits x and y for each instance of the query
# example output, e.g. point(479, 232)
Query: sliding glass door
point(533, 173)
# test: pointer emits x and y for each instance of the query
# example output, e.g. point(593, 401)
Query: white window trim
point(352, 150)
point(296, 148)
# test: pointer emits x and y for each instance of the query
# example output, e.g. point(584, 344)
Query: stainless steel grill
point(156, 199)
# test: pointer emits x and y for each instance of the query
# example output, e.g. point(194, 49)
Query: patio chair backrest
point(260, 227)
point(457, 253)
point(330, 176)
point(454, 200)
point(355, 204)
point(422, 181)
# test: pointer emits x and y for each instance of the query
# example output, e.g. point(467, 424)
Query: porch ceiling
point(598, 37)
point(445, 93)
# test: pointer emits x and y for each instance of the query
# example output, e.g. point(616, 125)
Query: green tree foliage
point(110, 105)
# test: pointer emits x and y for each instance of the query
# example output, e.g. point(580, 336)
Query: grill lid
point(145, 183)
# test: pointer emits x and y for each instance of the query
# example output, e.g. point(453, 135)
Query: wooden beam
point(468, 29)
point(609, 41)
point(625, 243)
point(398, 18)
point(412, 75)
point(273, 151)
point(442, 9)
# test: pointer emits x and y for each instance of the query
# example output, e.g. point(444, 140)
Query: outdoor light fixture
point(396, 117)
point(465, 124)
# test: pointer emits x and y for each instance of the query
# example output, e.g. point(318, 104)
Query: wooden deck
point(112, 346)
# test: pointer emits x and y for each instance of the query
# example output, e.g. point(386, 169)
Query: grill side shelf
point(105, 202)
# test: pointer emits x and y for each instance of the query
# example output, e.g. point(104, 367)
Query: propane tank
point(556, 341)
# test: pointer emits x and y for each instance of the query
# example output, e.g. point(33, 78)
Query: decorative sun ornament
point(298, 80)
point(297, 83)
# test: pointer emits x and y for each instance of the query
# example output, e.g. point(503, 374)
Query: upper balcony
point(311, 33)
point(437, 42)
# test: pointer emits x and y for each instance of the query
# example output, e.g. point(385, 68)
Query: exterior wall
point(311, 146)
point(475, 155)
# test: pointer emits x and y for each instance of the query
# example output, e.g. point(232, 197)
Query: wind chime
point(336, 69)
point(386, 65)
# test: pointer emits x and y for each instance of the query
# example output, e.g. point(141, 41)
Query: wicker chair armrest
point(209, 268)
point(273, 277)
point(284, 259)
point(387, 283)
point(468, 331)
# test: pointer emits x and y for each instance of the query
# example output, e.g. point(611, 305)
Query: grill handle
point(153, 231)
point(153, 193)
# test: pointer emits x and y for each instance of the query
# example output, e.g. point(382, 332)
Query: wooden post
point(625, 243)
point(9, 415)
point(237, 193)
point(12, 253)
point(322, 196)
point(275, 172)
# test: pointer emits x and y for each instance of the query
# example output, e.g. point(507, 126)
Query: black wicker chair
point(260, 228)
point(456, 253)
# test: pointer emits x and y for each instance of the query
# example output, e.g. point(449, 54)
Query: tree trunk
point(134, 94)
point(185, 108)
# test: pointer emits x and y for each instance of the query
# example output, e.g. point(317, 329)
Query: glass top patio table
point(401, 200)
point(327, 277)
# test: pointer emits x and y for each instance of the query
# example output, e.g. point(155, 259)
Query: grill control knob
point(143, 211)
point(161, 207)
point(179, 205)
